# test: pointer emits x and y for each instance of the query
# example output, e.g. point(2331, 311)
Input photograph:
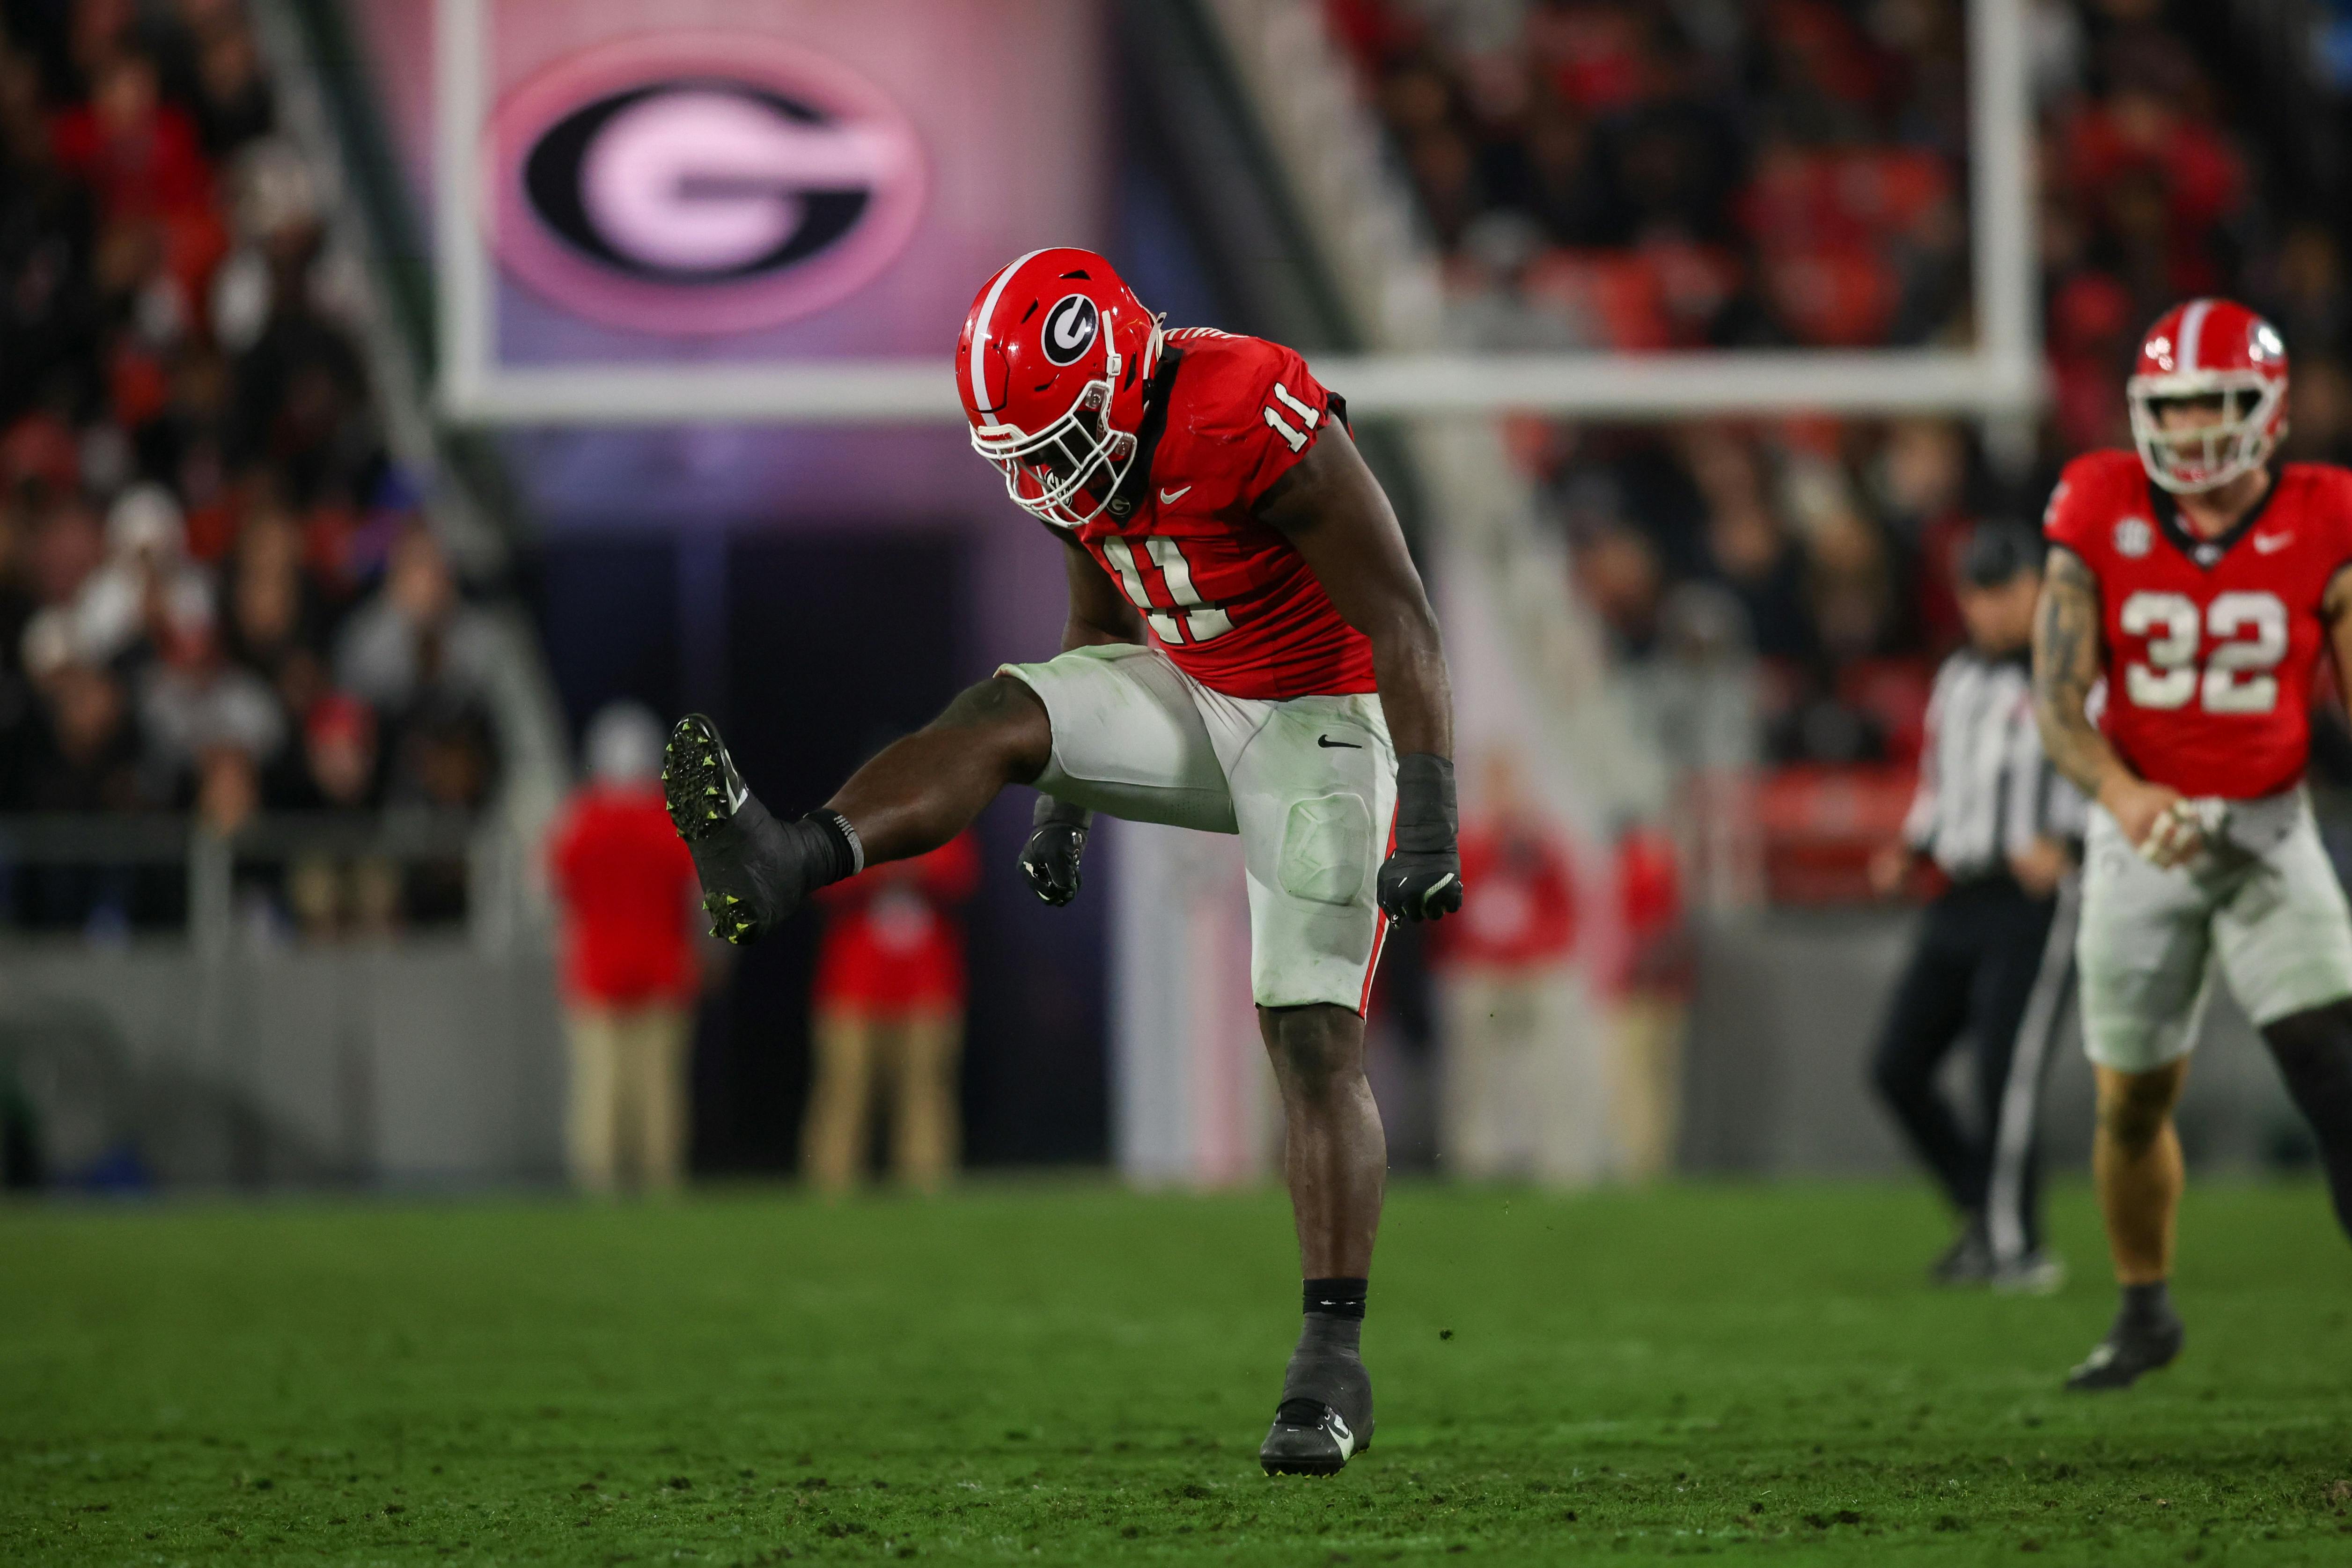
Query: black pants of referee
point(1993, 964)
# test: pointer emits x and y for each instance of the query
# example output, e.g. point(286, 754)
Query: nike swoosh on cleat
point(1170, 498)
point(1337, 745)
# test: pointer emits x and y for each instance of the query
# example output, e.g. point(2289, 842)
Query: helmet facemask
point(1079, 458)
point(2189, 459)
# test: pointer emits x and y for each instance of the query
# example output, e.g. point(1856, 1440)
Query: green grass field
point(1072, 1374)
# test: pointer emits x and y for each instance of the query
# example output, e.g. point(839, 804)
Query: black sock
point(1327, 1367)
point(2147, 1305)
point(1336, 1298)
point(836, 842)
point(1334, 1315)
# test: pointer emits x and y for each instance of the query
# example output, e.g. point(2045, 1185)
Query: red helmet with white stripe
point(2209, 348)
point(1051, 366)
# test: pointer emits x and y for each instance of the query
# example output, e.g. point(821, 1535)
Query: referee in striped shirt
point(1996, 949)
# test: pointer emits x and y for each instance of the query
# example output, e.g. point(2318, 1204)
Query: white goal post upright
point(1999, 378)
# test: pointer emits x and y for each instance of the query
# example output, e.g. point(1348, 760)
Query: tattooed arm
point(2067, 647)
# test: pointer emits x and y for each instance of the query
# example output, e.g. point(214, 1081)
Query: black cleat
point(1311, 1438)
point(752, 873)
point(2129, 1349)
point(1325, 1417)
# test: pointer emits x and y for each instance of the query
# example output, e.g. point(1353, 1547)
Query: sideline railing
point(193, 874)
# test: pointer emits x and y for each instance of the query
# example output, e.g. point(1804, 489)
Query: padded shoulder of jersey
point(2319, 484)
point(1226, 381)
point(1243, 412)
point(2084, 503)
point(2324, 491)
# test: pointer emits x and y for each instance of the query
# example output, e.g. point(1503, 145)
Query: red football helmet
point(1052, 367)
point(2209, 348)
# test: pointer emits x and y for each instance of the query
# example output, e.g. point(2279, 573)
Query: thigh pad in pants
point(1314, 790)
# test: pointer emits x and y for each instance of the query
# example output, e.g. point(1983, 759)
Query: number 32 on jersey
point(2246, 635)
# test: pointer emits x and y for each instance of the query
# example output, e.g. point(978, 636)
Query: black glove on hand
point(1056, 843)
point(1422, 878)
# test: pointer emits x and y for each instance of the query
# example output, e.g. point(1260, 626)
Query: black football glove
point(1056, 843)
point(1422, 878)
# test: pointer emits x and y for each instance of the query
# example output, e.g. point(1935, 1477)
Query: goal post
point(1999, 377)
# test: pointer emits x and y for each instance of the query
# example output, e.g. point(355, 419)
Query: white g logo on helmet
point(1070, 328)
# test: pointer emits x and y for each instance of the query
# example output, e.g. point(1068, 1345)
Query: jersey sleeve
point(2073, 517)
point(1266, 412)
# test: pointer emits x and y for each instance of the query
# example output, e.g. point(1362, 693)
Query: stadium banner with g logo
point(637, 202)
point(701, 183)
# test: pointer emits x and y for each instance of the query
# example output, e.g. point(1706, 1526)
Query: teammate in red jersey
point(1248, 650)
point(2201, 583)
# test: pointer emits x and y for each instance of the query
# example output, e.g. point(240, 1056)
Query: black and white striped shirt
point(1985, 791)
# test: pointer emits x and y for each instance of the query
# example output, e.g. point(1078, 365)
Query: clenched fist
point(1422, 878)
point(1057, 843)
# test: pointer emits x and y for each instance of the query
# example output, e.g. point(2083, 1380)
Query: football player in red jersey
point(2201, 583)
point(1248, 650)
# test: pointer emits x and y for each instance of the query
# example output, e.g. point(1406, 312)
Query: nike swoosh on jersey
point(1337, 745)
point(2266, 543)
point(1170, 498)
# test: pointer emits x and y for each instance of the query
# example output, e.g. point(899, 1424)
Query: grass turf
point(1073, 1373)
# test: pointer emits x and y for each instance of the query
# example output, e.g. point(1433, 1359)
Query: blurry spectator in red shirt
point(1649, 998)
point(1519, 1096)
point(890, 1018)
point(141, 155)
point(626, 886)
point(143, 161)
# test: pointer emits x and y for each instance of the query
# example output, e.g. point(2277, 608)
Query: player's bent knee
point(1012, 720)
point(2136, 1108)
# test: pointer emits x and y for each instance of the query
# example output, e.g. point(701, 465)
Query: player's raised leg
point(1334, 1161)
point(2136, 1165)
point(918, 793)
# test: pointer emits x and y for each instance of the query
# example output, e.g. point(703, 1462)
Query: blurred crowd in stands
point(216, 591)
point(1637, 175)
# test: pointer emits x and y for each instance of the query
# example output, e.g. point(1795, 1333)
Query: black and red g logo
point(1070, 328)
point(701, 183)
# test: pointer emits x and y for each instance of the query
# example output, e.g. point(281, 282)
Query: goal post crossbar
point(1581, 386)
point(1998, 378)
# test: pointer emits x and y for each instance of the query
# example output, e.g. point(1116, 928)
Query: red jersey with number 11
point(2210, 643)
point(1229, 598)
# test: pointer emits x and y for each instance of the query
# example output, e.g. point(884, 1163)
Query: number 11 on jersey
point(1201, 620)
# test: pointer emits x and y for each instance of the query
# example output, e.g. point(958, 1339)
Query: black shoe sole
point(703, 793)
point(700, 784)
